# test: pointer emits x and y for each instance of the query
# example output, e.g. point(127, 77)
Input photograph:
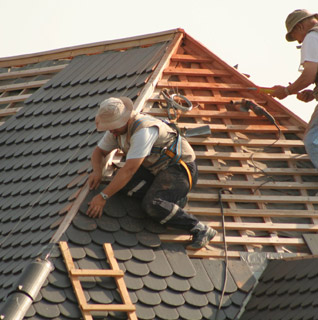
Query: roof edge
point(247, 81)
point(90, 48)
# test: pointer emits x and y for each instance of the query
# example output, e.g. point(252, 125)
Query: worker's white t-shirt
point(141, 142)
point(309, 48)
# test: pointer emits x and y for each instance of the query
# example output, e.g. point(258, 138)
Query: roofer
point(159, 168)
point(302, 26)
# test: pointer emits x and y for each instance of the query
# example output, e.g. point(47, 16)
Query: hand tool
point(262, 89)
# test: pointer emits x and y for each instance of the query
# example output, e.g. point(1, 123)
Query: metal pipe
point(26, 290)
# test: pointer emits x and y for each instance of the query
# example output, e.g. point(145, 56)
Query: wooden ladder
point(75, 274)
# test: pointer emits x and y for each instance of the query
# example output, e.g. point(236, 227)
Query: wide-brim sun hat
point(295, 17)
point(114, 113)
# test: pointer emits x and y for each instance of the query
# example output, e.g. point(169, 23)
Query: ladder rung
point(109, 307)
point(96, 273)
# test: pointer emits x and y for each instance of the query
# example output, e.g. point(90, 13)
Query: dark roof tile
point(177, 283)
point(50, 294)
point(137, 268)
point(70, 310)
point(189, 313)
point(58, 279)
point(46, 310)
point(214, 298)
point(100, 237)
point(153, 282)
point(148, 239)
point(124, 238)
point(160, 266)
point(131, 224)
point(200, 282)
point(242, 275)
point(133, 282)
point(232, 311)
point(108, 224)
point(196, 299)
point(148, 297)
point(144, 312)
point(216, 271)
point(83, 222)
point(121, 253)
point(212, 313)
point(172, 298)
point(179, 260)
point(142, 253)
point(166, 312)
point(99, 295)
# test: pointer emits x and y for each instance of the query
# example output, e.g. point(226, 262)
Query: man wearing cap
point(159, 168)
point(302, 26)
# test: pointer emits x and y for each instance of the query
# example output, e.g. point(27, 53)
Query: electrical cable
point(225, 248)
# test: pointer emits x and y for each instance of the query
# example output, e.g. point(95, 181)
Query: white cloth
point(309, 48)
point(141, 142)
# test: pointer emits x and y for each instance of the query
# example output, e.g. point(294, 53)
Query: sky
point(250, 33)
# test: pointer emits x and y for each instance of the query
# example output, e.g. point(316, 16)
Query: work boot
point(201, 236)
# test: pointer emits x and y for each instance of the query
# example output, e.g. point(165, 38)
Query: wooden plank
point(199, 113)
point(252, 198)
point(252, 170)
point(218, 239)
point(9, 111)
point(23, 85)
point(260, 128)
point(203, 183)
point(246, 156)
point(32, 72)
point(213, 253)
point(243, 142)
point(96, 273)
point(197, 72)
point(265, 226)
point(252, 212)
point(203, 85)
point(190, 58)
point(11, 99)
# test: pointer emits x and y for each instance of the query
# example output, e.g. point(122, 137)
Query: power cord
point(221, 191)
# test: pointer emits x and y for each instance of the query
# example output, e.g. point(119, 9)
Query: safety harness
point(174, 152)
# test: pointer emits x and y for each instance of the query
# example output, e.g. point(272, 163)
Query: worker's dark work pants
point(161, 193)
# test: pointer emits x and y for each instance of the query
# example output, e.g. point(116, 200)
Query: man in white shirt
point(302, 26)
point(160, 167)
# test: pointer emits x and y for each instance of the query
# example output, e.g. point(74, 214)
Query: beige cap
point(294, 18)
point(113, 113)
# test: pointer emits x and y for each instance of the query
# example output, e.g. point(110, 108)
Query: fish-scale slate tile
point(179, 260)
point(216, 271)
point(164, 311)
point(136, 267)
point(144, 312)
point(154, 283)
point(172, 298)
point(189, 313)
point(293, 298)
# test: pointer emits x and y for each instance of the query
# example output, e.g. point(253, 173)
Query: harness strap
point(170, 154)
